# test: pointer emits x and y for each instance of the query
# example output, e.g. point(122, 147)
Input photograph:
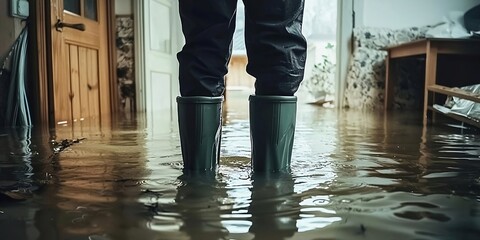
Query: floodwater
point(355, 175)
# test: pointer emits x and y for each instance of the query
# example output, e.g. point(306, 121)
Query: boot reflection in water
point(276, 52)
point(198, 201)
point(274, 208)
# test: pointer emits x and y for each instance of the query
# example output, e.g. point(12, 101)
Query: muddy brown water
point(355, 175)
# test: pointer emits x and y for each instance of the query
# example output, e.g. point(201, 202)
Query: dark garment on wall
point(276, 48)
point(4, 86)
point(472, 19)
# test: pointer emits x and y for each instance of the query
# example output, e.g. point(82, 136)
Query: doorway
point(157, 40)
point(79, 52)
point(320, 30)
point(72, 55)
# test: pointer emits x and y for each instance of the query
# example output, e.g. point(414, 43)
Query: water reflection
point(355, 175)
point(193, 212)
point(274, 207)
point(17, 158)
point(199, 202)
point(93, 180)
point(22, 173)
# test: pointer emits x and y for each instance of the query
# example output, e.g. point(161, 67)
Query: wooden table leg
point(430, 78)
point(389, 91)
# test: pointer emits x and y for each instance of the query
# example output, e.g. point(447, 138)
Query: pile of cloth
point(463, 107)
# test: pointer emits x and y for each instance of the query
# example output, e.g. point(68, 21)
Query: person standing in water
point(276, 51)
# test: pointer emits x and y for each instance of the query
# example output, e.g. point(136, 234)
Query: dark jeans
point(276, 48)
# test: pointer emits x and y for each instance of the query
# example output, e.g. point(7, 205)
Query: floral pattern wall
point(125, 62)
point(366, 74)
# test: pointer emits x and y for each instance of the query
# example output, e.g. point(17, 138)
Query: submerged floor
point(355, 175)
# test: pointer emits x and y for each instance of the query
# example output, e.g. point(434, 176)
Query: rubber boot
point(272, 129)
point(199, 122)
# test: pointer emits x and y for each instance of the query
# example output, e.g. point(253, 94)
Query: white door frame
point(140, 58)
point(139, 44)
point(349, 12)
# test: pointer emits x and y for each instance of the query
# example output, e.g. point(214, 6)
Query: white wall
point(397, 14)
point(123, 7)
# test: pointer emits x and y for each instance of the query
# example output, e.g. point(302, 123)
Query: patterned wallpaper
point(366, 74)
point(125, 62)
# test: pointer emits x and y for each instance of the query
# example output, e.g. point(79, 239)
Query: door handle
point(60, 25)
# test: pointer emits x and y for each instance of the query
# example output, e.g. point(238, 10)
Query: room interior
point(355, 87)
point(358, 171)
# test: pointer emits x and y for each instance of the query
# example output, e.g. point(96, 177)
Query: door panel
point(73, 59)
point(160, 117)
point(79, 61)
point(84, 82)
point(160, 90)
point(160, 26)
point(160, 68)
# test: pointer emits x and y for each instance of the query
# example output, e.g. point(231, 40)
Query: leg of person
point(276, 52)
point(275, 45)
point(208, 28)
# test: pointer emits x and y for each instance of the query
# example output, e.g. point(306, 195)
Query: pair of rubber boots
point(272, 128)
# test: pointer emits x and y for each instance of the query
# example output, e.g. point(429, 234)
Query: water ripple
point(355, 175)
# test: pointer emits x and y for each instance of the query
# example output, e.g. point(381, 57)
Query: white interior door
point(345, 25)
point(157, 84)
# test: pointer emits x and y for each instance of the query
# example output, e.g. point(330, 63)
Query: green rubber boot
point(272, 129)
point(200, 125)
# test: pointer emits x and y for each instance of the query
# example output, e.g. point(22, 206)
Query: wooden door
point(80, 61)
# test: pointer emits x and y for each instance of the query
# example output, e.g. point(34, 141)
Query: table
point(430, 48)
